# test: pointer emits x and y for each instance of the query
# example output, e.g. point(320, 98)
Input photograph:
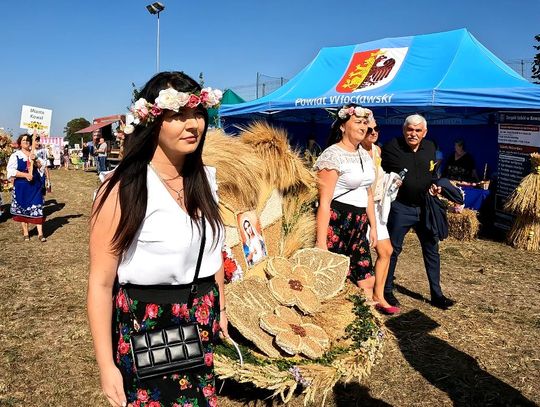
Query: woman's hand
point(224, 323)
point(113, 386)
point(372, 237)
point(29, 177)
point(32, 156)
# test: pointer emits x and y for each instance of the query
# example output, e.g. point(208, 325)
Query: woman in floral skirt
point(146, 233)
point(345, 173)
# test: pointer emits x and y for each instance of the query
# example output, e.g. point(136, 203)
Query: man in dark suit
point(418, 156)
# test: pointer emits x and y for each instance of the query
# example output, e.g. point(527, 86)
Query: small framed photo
point(252, 238)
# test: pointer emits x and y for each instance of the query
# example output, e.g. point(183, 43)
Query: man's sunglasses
point(372, 129)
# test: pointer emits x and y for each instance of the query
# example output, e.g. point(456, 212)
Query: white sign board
point(36, 118)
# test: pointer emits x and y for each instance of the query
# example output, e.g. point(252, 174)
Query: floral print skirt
point(195, 388)
point(347, 234)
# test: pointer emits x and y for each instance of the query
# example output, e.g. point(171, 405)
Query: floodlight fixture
point(155, 8)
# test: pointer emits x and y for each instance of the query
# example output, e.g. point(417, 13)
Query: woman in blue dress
point(27, 198)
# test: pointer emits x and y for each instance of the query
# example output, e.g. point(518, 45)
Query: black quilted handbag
point(172, 349)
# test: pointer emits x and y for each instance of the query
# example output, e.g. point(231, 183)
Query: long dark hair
point(335, 130)
point(130, 175)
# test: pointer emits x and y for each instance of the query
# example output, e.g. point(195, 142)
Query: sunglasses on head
point(372, 129)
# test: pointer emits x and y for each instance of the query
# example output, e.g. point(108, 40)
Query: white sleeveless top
point(166, 246)
point(356, 172)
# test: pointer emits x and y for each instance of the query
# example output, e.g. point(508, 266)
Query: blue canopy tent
point(449, 77)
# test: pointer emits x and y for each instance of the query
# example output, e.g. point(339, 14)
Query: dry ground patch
point(485, 351)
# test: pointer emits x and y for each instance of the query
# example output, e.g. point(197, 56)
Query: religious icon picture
point(252, 238)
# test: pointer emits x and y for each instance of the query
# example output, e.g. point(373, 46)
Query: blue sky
point(79, 58)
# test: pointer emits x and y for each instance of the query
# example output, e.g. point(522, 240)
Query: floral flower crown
point(346, 112)
point(143, 112)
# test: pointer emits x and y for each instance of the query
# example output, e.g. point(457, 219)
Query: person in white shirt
point(384, 247)
point(102, 156)
point(346, 173)
point(146, 231)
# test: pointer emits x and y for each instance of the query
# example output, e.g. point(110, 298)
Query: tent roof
point(449, 69)
point(93, 127)
point(231, 98)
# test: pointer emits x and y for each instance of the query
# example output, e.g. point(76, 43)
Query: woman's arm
point(327, 184)
point(220, 281)
point(12, 171)
point(103, 268)
point(370, 210)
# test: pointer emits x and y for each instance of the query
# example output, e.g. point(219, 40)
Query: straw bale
point(330, 270)
point(247, 300)
point(256, 271)
point(336, 314)
point(464, 225)
point(240, 173)
point(293, 334)
point(301, 234)
point(525, 233)
point(284, 168)
point(228, 214)
point(318, 379)
point(294, 286)
point(272, 238)
point(282, 383)
point(238, 254)
point(277, 265)
point(299, 200)
point(525, 199)
point(270, 207)
point(232, 238)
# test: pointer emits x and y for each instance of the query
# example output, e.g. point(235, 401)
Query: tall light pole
point(156, 8)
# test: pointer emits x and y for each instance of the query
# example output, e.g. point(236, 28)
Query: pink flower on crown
point(155, 110)
point(204, 96)
point(142, 112)
point(193, 101)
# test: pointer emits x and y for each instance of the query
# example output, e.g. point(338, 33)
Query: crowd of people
point(28, 169)
point(364, 203)
point(156, 262)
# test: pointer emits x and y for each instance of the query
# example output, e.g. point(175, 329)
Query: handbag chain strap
point(194, 285)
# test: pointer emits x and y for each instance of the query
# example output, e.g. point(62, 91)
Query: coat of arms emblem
point(371, 69)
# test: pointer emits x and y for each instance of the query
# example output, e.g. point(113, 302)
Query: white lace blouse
point(166, 247)
point(355, 170)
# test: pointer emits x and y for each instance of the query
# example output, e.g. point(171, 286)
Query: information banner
point(36, 118)
point(519, 136)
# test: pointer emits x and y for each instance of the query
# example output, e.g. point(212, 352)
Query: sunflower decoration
point(293, 334)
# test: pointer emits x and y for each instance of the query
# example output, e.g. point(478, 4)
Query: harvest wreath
point(298, 322)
